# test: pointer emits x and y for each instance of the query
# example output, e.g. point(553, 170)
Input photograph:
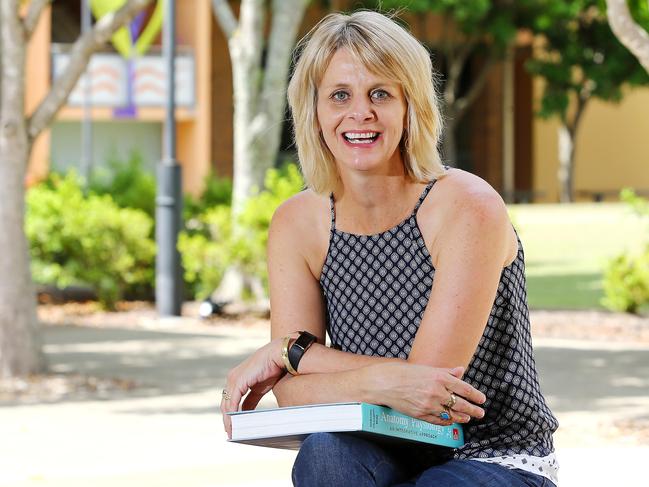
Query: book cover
point(386, 421)
point(287, 427)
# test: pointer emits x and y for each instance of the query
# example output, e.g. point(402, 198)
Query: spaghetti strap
point(333, 212)
point(423, 196)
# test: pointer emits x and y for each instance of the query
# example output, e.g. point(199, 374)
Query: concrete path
point(168, 432)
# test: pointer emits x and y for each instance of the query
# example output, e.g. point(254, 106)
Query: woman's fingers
point(465, 390)
point(230, 403)
point(434, 418)
point(463, 407)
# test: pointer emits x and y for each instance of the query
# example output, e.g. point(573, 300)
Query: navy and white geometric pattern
point(376, 288)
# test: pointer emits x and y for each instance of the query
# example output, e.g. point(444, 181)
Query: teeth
point(364, 135)
point(361, 137)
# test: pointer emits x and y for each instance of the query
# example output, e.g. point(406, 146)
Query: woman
point(412, 268)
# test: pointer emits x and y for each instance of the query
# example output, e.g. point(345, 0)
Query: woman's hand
point(422, 391)
point(256, 375)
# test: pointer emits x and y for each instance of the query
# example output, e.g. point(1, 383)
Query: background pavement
point(167, 430)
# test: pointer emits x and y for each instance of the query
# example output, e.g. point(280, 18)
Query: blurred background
point(134, 218)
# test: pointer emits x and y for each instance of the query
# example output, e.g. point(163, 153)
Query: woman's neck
point(373, 204)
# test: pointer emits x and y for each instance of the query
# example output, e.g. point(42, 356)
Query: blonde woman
point(412, 269)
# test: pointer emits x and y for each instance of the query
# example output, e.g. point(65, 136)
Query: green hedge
point(208, 245)
point(87, 240)
point(626, 278)
point(104, 239)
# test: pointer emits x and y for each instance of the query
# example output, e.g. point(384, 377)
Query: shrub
point(249, 248)
point(128, 183)
point(208, 245)
point(626, 277)
point(217, 192)
point(87, 240)
point(626, 283)
point(205, 255)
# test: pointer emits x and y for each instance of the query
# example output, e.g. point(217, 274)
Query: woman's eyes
point(376, 95)
point(340, 96)
point(380, 95)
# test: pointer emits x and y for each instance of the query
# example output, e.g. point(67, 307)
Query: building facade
point(500, 139)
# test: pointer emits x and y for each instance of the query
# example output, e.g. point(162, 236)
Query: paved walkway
point(168, 430)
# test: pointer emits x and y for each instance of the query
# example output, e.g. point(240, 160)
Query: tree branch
point(79, 57)
point(463, 104)
point(456, 59)
point(286, 19)
point(225, 17)
point(573, 125)
point(30, 21)
point(634, 37)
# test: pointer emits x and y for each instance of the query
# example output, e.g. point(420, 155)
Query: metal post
point(168, 291)
point(509, 182)
point(86, 126)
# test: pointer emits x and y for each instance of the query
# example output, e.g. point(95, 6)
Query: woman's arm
point(470, 252)
point(477, 241)
point(296, 252)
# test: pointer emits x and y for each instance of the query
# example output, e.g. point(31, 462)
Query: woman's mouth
point(360, 138)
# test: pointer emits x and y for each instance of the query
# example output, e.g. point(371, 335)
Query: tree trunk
point(630, 34)
point(259, 103)
point(246, 47)
point(20, 348)
point(566, 163)
point(260, 91)
point(286, 18)
point(455, 106)
point(19, 344)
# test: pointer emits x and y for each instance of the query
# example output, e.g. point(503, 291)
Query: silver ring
point(444, 415)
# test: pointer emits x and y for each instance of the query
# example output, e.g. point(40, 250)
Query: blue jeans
point(341, 460)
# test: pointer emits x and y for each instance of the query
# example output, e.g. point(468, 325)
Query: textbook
point(287, 427)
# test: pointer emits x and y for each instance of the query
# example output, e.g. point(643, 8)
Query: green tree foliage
point(583, 60)
point(473, 29)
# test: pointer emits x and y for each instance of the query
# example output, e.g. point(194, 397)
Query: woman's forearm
point(322, 359)
point(355, 385)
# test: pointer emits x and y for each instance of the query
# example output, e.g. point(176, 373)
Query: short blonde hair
point(387, 49)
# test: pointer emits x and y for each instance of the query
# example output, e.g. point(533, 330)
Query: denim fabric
point(342, 460)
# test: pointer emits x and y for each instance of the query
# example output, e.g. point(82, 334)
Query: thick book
point(287, 427)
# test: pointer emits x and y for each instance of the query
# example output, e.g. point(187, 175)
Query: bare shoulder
point(300, 212)
point(460, 191)
point(302, 223)
point(462, 199)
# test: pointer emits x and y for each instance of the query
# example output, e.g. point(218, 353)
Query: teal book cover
point(386, 421)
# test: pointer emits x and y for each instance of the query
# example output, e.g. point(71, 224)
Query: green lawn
point(567, 247)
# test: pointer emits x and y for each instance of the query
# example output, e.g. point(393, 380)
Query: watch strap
point(298, 348)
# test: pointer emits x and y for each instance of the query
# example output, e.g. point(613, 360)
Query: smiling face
point(361, 116)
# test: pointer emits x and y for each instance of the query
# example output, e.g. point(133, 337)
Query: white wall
point(115, 139)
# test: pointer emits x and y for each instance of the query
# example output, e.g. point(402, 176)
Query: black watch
point(300, 345)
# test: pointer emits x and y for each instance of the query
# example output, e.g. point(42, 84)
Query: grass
point(567, 248)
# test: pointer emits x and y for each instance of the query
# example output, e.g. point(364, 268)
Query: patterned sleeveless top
point(376, 288)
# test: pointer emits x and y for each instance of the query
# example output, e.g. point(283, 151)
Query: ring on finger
point(444, 415)
point(450, 404)
point(226, 395)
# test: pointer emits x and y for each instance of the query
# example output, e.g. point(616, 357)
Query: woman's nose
point(361, 110)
